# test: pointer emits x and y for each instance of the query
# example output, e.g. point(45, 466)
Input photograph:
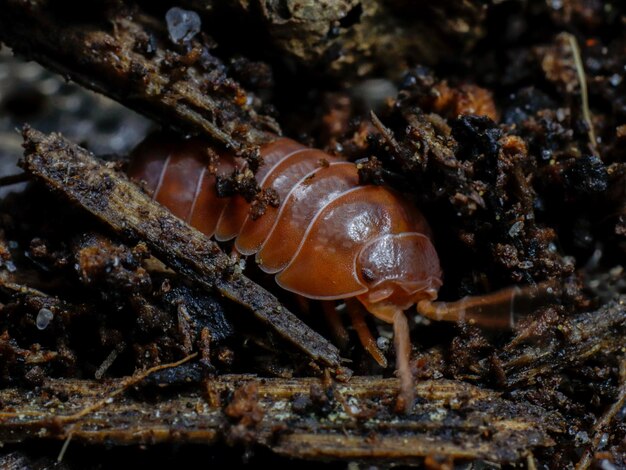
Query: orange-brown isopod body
point(329, 239)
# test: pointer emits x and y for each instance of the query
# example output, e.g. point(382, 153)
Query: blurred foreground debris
point(119, 52)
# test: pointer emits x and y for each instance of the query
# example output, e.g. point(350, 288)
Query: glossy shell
point(329, 238)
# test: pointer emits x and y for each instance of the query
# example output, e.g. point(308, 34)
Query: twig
point(72, 171)
point(109, 361)
point(125, 385)
point(582, 80)
point(64, 447)
point(14, 179)
point(386, 133)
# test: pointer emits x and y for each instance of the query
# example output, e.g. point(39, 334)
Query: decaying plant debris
point(120, 324)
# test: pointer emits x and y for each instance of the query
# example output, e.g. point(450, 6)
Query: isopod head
point(399, 270)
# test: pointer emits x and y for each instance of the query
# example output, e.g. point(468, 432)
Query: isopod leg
point(304, 304)
point(355, 310)
point(402, 343)
point(492, 311)
point(495, 310)
point(235, 255)
point(339, 332)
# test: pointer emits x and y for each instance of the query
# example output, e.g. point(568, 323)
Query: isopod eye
point(399, 270)
point(368, 275)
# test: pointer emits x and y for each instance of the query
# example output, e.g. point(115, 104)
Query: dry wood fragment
point(75, 173)
point(296, 418)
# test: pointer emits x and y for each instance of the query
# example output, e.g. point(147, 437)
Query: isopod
point(330, 238)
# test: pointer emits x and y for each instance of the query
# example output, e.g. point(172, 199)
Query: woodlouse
point(329, 238)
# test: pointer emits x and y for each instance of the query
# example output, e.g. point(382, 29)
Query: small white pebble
point(604, 440)
point(44, 317)
point(607, 465)
point(615, 79)
point(382, 343)
point(556, 4)
point(525, 265)
point(182, 25)
point(516, 228)
point(581, 437)
point(374, 92)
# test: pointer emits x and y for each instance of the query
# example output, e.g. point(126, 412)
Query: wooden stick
point(354, 309)
point(111, 197)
